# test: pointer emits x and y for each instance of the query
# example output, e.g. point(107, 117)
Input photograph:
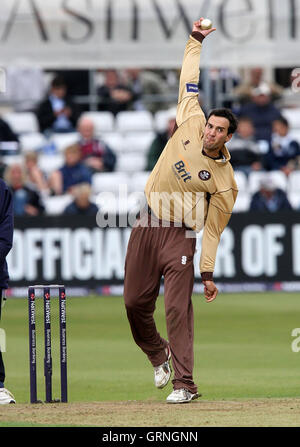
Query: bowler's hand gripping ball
point(206, 24)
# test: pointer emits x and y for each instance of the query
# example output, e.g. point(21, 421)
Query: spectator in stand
point(82, 204)
point(284, 149)
point(160, 140)
point(34, 174)
point(57, 113)
point(7, 137)
point(95, 154)
point(71, 173)
point(6, 133)
point(243, 92)
point(26, 200)
point(244, 150)
point(78, 83)
point(3, 167)
point(269, 198)
point(223, 81)
point(147, 82)
point(291, 95)
point(261, 111)
point(114, 95)
point(9, 141)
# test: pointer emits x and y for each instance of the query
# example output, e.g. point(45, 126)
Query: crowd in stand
point(263, 141)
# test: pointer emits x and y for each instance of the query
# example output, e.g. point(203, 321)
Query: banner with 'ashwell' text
point(147, 33)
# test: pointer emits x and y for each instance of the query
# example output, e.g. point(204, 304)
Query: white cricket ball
point(206, 24)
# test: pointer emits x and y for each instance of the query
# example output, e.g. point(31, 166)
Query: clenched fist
point(210, 291)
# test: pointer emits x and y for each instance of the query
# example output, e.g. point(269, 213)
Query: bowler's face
point(216, 133)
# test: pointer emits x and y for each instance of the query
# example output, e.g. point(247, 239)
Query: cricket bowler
point(191, 187)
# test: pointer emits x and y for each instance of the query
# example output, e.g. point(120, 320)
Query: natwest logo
point(182, 170)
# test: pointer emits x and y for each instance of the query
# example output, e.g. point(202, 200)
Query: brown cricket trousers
point(153, 252)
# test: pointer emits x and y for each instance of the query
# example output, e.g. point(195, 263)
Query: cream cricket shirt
point(185, 185)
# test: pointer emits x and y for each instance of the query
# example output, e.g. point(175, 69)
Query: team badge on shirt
point(204, 175)
point(185, 143)
point(193, 88)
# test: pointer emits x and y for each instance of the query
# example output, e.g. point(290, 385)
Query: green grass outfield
point(242, 349)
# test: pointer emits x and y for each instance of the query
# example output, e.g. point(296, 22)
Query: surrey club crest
point(204, 175)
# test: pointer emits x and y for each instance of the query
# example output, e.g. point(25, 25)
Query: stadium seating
point(295, 133)
point(294, 189)
point(32, 141)
point(255, 178)
point(279, 178)
point(138, 142)
point(103, 121)
point(241, 180)
point(109, 181)
point(107, 202)
point(131, 162)
point(24, 122)
point(161, 120)
point(112, 203)
point(293, 117)
point(50, 163)
point(56, 205)
point(138, 181)
point(114, 140)
point(63, 140)
point(243, 199)
point(242, 202)
point(12, 159)
point(133, 121)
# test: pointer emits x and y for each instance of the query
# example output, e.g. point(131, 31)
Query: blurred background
point(88, 94)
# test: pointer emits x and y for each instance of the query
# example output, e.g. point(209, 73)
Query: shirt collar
point(223, 158)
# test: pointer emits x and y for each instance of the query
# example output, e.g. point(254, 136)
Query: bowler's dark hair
point(226, 113)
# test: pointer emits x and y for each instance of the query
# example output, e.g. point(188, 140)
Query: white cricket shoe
point(6, 397)
point(162, 373)
point(181, 396)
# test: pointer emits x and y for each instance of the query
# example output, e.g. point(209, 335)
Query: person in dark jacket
point(283, 150)
point(9, 142)
point(6, 133)
point(57, 113)
point(71, 173)
point(243, 148)
point(160, 140)
point(27, 200)
point(82, 206)
point(269, 198)
point(114, 95)
point(261, 111)
point(6, 238)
